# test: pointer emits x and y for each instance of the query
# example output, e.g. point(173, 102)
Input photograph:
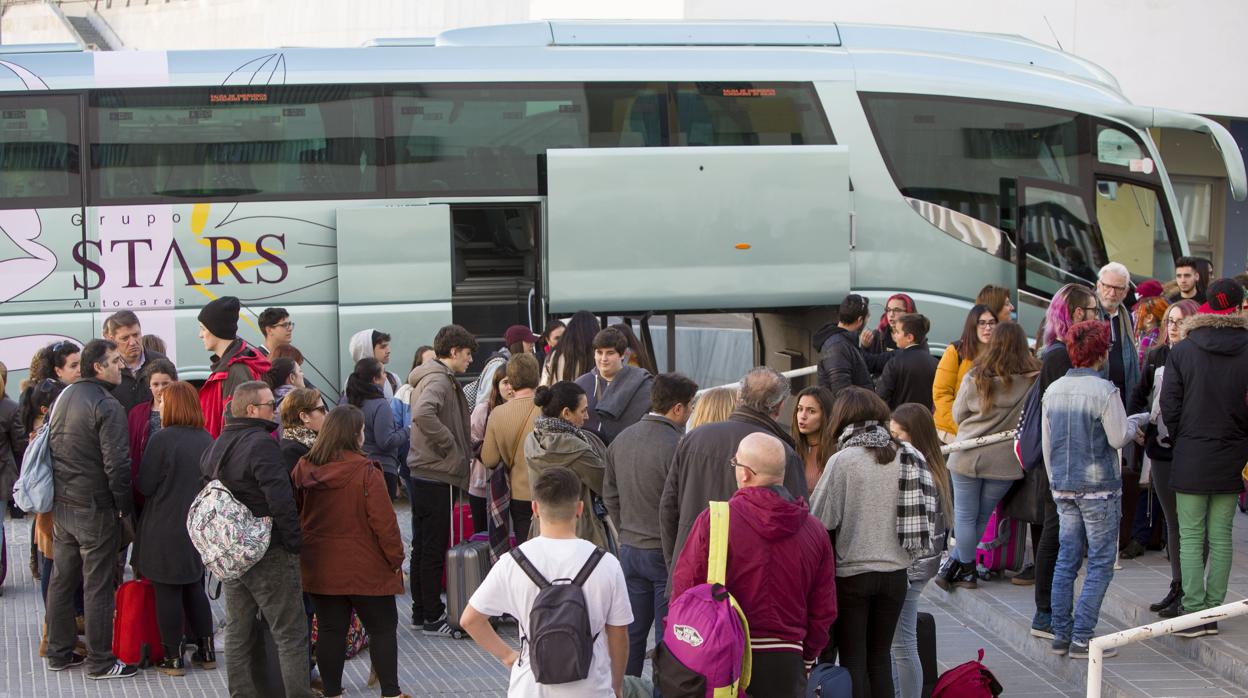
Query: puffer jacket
point(441, 447)
point(949, 374)
point(840, 360)
point(90, 445)
point(383, 441)
point(994, 461)
point(1203, 405)
point(780, 569)
point(583, 454)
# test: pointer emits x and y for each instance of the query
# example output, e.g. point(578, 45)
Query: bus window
point(1113, 147)
point(1134, 227)
point(735, 113)
point(1058, 237)
point(259, 142)
point(39, 152)
point(625, 115)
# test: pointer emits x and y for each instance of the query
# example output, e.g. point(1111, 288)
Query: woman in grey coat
point(557, 439)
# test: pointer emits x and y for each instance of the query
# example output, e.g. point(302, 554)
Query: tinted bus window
point(721, 113)
point(258, 142)
point(39, 152)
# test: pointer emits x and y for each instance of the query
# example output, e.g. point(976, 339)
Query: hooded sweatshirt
point(440, 447)
point(1203, 405)
point(351, 542)
point(780, 569)
point(361, 347)
point(582, 453)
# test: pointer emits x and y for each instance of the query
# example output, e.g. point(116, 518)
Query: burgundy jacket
point(780, 569)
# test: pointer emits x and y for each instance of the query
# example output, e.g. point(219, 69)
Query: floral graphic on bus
point(20, 274)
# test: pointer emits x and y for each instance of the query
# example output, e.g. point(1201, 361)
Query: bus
point(508, 174)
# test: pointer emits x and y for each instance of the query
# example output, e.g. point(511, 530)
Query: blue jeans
point(907, 667)
point(646, 576)
point(1094, 522)
point(974, 498)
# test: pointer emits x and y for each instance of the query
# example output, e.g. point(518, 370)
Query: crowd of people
point(572, 442)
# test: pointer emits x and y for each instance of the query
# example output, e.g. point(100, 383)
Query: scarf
point(916, 493)
point(497, 522)
point(302, 435)
point(556, 425)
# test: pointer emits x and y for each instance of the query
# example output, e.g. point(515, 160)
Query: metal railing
point(1096, 648)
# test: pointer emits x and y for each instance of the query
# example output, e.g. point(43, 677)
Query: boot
point(944, 576)
point(173, 664)
point(967, 577)
point(205, 656)
point(1176, 594)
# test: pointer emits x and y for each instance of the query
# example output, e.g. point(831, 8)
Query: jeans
point(380, 617)
point(1205, 517)
point(777, 675)
point(521, 519)
point(869, 606)
point(974, 499)
point(178, 603)
point(85, 542)
point(1169, 507)
point(1094, 521)
point(907, 667)
point(1046, 558)
point(480, 510)
point(431, 515)
point(646, 576)
point(273, 588)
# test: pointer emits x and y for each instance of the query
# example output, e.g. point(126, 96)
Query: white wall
point(33, 24)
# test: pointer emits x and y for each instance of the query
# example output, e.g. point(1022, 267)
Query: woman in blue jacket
point(384, 441)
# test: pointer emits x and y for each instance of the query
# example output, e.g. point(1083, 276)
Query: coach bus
point(508, 174)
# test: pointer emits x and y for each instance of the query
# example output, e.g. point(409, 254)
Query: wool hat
point(1148, 289)
point(1224, 296)
point(519, 333)
point(220, 317)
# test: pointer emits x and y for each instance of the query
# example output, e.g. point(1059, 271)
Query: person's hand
point(866, 338)
point(510, 660)
point(1139, 437)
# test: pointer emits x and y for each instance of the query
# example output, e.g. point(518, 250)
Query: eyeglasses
point(1172, 322)
point(987, 323)
point(271, 404)
point(318, 408)
point(1093, 310)
point(1115, 289)
point(288, 325)
point(733, 462)
point(892, 311)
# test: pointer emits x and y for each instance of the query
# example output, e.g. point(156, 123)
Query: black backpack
point(561, 646)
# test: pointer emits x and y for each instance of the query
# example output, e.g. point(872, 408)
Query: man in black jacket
point(123, 329)
point(91, 480)
point(1202, 403)
point(701, 471)
point(247, 460)
point(840, 358)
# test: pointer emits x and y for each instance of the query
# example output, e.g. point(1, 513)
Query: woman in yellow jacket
point(958, 359)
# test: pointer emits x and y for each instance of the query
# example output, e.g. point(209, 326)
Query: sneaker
point(1025, 578)
point(438, 627)
point(1133, 550)
point(944, 576)
point(1211, 628)
point(1045, 633)
point(116, 671)
point(1079, 650)
point(1059, 647)
point(1194, 632)
point(62, 663)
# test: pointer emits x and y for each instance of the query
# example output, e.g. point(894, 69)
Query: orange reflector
point(743, 245)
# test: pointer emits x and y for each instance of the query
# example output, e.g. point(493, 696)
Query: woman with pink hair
point(878, 345)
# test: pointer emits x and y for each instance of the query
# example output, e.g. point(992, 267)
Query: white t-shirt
point(507, 589)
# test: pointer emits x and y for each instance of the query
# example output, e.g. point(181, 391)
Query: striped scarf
point(916, 492)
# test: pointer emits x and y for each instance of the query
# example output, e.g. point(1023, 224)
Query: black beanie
point(220, 317)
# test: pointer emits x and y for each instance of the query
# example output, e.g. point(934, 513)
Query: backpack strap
point(529, 569)
point(588, 568)
point(717, 550)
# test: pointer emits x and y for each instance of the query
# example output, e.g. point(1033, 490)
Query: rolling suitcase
point(926, 628)
point(467, 563)
point(136, 637)
point(1002, 547)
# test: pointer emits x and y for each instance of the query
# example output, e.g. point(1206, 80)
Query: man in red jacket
point(234, 361)
point(780, 569)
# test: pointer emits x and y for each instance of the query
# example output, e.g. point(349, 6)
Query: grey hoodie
point(585, 457)
point(361, 347)
point(440, 448)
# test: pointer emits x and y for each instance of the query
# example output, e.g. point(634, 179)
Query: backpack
point(1027, 442)
point(561, 646)
point(969, 680)
point(230, 539)
point(472, 389)
point(829, 681)
point(705, 651)
point(34, 490)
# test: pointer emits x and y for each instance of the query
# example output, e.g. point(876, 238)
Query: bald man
point(780, 568)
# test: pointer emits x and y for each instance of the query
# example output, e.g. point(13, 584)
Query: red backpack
point(969, 680)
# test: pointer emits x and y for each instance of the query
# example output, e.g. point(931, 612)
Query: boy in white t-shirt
point(558, 555)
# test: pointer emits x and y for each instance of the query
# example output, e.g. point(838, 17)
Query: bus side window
point(39, 152)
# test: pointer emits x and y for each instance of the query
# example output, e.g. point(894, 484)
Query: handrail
point(1098, 645)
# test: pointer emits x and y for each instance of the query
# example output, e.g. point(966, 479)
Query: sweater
point(994, 461)
point(505, 432)
point(856, 498)
point(908, 377)
point(637, 464)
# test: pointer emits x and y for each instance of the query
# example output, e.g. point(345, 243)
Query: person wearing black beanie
point(234, 361)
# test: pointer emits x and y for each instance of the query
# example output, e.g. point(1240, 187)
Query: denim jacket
point(1083, 426)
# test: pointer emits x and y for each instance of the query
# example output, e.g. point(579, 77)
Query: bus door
point(394, 275)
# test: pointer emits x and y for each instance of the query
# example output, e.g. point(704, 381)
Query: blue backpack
point(829, 681)
point(34, 490)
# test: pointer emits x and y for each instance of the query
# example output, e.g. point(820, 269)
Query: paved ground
point(442, 667)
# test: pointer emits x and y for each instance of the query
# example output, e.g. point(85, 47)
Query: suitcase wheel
point(458, 634)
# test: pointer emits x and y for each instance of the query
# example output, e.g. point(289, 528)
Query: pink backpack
point(969, 680)
point(705, 651)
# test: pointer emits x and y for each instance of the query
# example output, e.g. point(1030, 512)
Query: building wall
point(33, 24)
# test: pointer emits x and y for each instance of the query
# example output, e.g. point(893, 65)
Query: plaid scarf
point(499, 513)
point(556, 425)
point(916, 493)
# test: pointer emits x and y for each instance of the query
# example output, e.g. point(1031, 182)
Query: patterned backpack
point(230, 539)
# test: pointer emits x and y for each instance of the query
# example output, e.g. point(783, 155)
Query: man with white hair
point(699, 471)
point(1123, 368)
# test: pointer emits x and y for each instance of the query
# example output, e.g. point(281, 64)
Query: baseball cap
point(518, 333)
point(1223, 297)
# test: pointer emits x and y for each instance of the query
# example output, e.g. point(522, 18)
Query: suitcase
point(926, 627)
point(467, 563)
point(829, 681)
point(1002, 547)
point(136, 636)
point(461, 528)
